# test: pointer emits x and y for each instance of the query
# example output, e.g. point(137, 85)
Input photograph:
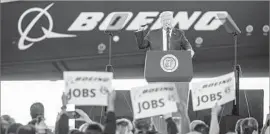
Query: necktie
point(168, 38)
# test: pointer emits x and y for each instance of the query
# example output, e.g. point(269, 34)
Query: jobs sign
point(154, 99)
point(219, 90)
point(88, 88)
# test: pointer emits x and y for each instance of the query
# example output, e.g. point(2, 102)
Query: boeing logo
point(89, 21)
point(47, 32)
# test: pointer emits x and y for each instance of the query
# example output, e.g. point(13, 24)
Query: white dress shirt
point(165, 39)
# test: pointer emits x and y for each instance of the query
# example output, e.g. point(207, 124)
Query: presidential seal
point(169, 63)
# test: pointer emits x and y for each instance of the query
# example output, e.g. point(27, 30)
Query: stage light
point(116, 38)
point(101, 48)
point(265, 28)
point(199, 41)
point(249, 29)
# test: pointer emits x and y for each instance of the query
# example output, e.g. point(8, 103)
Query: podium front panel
point(168, 66)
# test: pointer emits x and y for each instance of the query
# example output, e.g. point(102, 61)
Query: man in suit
point(165, 38)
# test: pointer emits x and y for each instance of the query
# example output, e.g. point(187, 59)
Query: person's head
point(238, 126)
point(142, 125)
point(12, 129)
point(194, 123)
point(123, 126)
point(202, 128)
point(8, 119)
point(28, 129)
point(75, 131)
point(4, 125)
point(249, 126)
point(231, 133)
point(36, 109)
point(93, 128)
point(166, 19)
point(193, 132)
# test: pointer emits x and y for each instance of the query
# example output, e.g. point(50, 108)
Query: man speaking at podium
point(165, 38)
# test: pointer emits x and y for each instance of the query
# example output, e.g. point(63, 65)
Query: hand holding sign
point(219, 90)
point(88, 88)
point(111, 100)
point(64, 99)
point(216, 109)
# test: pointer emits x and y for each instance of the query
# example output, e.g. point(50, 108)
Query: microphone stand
point(109, 67)
point(237, 69)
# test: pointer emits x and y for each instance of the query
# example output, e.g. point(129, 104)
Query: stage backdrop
point(40, 39)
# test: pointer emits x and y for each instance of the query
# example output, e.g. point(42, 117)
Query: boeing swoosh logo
point(48, 33)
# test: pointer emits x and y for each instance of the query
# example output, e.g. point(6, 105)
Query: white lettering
point(142, 16)
point(209, 21)
point(86, 21)
point(183, 21)
point(116, 21)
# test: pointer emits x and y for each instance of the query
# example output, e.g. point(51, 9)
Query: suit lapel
point(174, 33)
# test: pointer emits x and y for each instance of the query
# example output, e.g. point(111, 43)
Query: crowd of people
point(113, 125)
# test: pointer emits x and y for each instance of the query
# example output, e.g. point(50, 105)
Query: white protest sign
point(219, 90)
point(154, 99)
point(88, 88)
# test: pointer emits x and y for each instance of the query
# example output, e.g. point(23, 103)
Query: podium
point(173, 66)
point(168, 66)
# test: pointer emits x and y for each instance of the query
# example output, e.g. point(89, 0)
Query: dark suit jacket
point(154, 40)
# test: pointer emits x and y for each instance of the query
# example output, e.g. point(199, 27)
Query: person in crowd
point(90, 127)
point(230, 133)
point(36, 110)
point(27, 129)
point(185, 121)
point(5, 122)
point(194, 123)
point(94, 128)
point(75, 131)
point(83, 127)
point(266, 126)
point(201, 127)
point(12, 129)
point(62, 121)
point(238, 126)
point(177, 121)
point(8, 119)
point(249, 126)
point(214, 125)
point(38, 118)
point(143, 126)
point(123, 126)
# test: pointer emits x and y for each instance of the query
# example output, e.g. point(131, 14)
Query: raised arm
point(214, 125)
point(62, 121)
point(171, 125)
point(185, 121)
point(110, 124)
point(142, 38)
